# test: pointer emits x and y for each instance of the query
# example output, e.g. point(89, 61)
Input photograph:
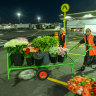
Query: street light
point(39, 18)
point(19, 14)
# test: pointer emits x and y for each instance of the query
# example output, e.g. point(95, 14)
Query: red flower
point(95, 94)
point(27, 50)
point(94, 87)
point(94, 82)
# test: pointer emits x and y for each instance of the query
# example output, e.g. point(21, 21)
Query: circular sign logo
point(65, 7)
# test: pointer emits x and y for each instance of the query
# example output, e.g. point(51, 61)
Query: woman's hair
point(88, 29)
point(62, 29)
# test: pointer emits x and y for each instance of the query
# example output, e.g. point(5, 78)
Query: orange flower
point(70, 87)
point(68, 81)
point(36, 49)
point(24, 49)
point(86, 93)
point(74, 90)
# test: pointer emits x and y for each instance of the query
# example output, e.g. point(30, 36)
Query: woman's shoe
point(82, 68)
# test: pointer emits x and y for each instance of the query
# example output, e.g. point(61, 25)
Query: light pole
point(39, 18)
point(19, 15)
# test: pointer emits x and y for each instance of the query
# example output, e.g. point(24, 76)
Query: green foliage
point(17, 49)
point(82, 83)
point(29, 55)
point(92, 79)
point(45, 42)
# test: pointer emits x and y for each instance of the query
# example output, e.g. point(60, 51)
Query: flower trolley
point(42, 71)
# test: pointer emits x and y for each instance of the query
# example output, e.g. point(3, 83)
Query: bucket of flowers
point(53, 53)
point(82, 86)
point(14, 47)
point(29, 51)
point(38, 58)
point(62, 52)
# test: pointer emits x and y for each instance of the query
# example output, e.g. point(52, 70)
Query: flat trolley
point(42, 71)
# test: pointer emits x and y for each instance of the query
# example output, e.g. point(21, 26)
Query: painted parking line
point(70, 45)
point(69, 53)
point(57, 81)
point(75, 54)
point(74, 38)
point(81, 46)
point(1, 34)
point(2, 42)
point(1, 45)
point(69, 42)
point(73, 45)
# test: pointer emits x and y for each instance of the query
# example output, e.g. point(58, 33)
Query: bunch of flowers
point(38, 55)
point(53, 51)
point(62, 51)
point(29, 51)
point(15, 45)
point(80, 85)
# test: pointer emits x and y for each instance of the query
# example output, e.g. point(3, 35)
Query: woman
point(90, 57)
point(62, 40)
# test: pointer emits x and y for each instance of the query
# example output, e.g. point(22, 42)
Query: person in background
point(90, 57)
point(62, 38)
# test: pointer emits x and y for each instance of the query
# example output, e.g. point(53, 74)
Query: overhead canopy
point(80, 15)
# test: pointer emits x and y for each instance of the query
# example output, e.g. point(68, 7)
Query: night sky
point(49, 10)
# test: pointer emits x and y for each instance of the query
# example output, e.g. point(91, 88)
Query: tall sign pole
point(65, 8)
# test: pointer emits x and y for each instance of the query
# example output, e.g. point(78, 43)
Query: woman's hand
point(91, 44)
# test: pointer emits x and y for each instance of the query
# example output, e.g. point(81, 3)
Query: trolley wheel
point(43, 73)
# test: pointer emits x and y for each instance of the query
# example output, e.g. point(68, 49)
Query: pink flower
point(29, 45)
point(23, 39)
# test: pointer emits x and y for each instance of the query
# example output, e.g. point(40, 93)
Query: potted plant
point(28, 54)
point(14, 47)
point(38, 58)
point(53, 51)
point(44, 43)
point(61, 53)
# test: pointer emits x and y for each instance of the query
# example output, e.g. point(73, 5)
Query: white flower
point(13, 43)
point(79, 92)
point(81, 89)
